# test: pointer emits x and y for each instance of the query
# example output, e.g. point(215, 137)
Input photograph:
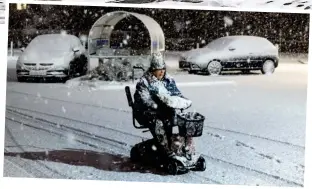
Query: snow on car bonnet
point(53, 42)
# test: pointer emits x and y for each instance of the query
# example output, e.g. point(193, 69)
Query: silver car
point(243, 53)
point(52, 55)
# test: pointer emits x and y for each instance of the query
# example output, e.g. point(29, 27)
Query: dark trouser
point(162, 132)
point(160, 124)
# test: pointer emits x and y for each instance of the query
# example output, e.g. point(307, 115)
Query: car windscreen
point(50, 43)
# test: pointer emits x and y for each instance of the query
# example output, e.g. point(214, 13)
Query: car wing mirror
point(76, 49)
point(232, 49)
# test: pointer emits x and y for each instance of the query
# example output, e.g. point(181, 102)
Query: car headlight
point(194, 66)
point(59, 67)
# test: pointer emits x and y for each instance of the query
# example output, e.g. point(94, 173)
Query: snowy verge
point(97, 84)
point(114, 85)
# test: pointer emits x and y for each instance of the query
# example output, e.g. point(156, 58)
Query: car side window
point(242, 45)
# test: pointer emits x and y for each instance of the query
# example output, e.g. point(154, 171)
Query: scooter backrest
point(129, 97)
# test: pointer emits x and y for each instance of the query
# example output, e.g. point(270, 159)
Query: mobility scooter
point(189, 124)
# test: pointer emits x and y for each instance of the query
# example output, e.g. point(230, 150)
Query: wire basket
point(190, 124)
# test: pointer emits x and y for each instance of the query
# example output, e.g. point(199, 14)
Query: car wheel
point(214, 68)
point(74, 68)
point(84, 65)
point(20, 79)
point(192, 71)
point(268, 67)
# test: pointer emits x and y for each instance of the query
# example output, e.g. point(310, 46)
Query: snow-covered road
point(254, 132)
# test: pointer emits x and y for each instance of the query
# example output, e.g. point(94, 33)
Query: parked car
point(243, 53)
point(52, 55)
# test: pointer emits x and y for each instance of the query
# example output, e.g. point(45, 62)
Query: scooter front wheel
point(201, 164)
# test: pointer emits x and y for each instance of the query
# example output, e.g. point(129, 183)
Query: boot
point(189, 146)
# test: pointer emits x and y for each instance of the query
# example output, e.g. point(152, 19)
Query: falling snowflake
point(22, 126)
point(58, 125)
point(63, 109)
point(46, 101)
point(38, 95)
point(248, 27)
point(46, 152)
point(63, 32)
point(154, 148)
point(203, 41)
point(68, 93)
point(125, 42)
point(83, 38)
point(227, 21)
point(248, 60)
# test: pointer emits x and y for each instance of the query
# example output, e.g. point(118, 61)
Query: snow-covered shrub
point(112, 70)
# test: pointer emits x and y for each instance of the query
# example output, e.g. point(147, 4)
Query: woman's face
point(159, 74)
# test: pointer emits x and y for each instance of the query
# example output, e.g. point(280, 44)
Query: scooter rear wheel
point(135, 154)
point(172, 167)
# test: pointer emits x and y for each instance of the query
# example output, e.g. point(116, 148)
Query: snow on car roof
point(55, 36)
point(237, 37)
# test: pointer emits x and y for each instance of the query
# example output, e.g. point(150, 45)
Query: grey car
point(229, 53)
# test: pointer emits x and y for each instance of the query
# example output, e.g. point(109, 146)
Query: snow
point(225, 150)
point(51, 42)
point(228, 21)
point(54, 48)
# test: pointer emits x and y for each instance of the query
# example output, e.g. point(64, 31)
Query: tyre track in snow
point(89, 144)
point(56, 134)
point(207, 156)
point(129, 112)
point(31, 170)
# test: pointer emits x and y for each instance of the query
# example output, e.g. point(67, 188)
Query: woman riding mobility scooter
point(159, 107)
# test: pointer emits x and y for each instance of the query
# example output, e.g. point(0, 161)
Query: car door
point(239, 51)
point(248, 52)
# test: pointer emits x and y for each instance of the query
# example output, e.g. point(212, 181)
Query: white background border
point(43, 183)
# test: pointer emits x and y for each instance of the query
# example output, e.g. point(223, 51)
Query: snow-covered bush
point(112, 70)
point(118, 69)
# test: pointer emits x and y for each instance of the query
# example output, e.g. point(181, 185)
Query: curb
point(114, 86)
